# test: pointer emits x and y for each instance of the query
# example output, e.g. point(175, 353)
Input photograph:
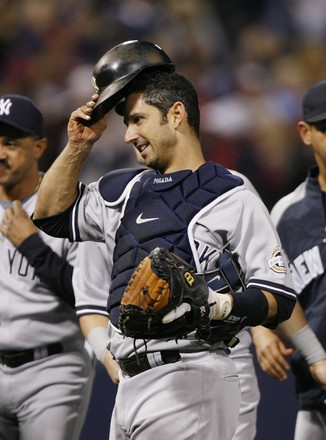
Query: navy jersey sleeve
point(57, 225)
point(52, 269)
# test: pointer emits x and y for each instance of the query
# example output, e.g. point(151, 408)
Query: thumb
point(17, 206)
point(287, 351)
point(176, 313)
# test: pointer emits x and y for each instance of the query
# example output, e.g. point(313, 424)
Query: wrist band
point(251, 304)
point(308, 344)
point(98, 339)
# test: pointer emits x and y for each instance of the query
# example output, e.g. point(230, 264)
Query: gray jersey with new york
point(31, 315)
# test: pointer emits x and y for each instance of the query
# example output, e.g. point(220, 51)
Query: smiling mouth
point(4, 164)
point(141, 148)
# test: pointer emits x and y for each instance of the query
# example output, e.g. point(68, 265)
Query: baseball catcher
point(165, 299)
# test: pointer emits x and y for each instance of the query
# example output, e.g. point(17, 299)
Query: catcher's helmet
point(117, 67)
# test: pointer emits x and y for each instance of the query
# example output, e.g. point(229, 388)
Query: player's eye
point(11, 143)
point(137, 119)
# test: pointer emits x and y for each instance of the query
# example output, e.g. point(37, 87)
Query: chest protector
point(157, 213)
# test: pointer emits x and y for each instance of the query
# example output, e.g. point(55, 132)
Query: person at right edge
point(168, 388)
point(301, 224)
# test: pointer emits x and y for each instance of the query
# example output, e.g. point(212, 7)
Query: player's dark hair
point(320, 126)
point(162, 89)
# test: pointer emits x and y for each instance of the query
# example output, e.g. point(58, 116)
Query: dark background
point(250, 62)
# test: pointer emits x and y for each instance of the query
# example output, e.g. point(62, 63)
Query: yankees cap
point(314, 103)
point(20, 112)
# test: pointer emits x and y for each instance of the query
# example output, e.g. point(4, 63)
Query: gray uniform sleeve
point(91, 278)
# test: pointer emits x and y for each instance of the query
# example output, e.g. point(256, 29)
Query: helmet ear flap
point(117, 67)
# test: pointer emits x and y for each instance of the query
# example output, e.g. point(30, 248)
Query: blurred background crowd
point(249, 60)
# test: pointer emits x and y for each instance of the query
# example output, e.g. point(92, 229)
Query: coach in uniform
point(45, 373)
point(168, 388)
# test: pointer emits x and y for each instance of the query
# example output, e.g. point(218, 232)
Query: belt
point(145, 361)
point(14, 359)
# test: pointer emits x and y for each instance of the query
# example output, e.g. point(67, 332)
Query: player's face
point(153, 138)
point(316, 138)
point(17, 159)
point(318, 142)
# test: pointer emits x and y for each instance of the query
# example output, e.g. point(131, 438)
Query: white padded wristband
point(308, 344)
point(98, 339)
point(220, 305)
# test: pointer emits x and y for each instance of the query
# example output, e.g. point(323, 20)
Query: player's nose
point(131, 135)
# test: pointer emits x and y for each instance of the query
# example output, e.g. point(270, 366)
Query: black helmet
point(117, 67)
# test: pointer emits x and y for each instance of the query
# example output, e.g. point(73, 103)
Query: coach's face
point(153, 136)
point(19, 155)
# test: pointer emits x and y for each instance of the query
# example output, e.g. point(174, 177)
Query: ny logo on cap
point(5, 106)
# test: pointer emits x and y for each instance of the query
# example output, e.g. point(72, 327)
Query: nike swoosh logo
point(140, 219)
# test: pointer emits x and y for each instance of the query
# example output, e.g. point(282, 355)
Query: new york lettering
point(18, 265)
point(306, 267)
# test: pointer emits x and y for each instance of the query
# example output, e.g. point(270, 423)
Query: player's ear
point(304, 130)
point(40, 145)
point(177, 113)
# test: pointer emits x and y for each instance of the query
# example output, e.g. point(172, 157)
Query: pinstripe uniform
point(92, 283)
point(115, 207)
point(44, 398)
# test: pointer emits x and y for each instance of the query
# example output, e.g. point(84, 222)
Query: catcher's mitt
point(161, 282)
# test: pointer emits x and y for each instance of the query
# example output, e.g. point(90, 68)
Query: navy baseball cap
point(314, 103)
point(20, 112)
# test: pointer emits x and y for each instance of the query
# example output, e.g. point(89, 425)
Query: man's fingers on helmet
point(90, 105)
point(80, 113)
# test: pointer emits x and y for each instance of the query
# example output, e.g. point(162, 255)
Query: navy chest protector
point(157, 214)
